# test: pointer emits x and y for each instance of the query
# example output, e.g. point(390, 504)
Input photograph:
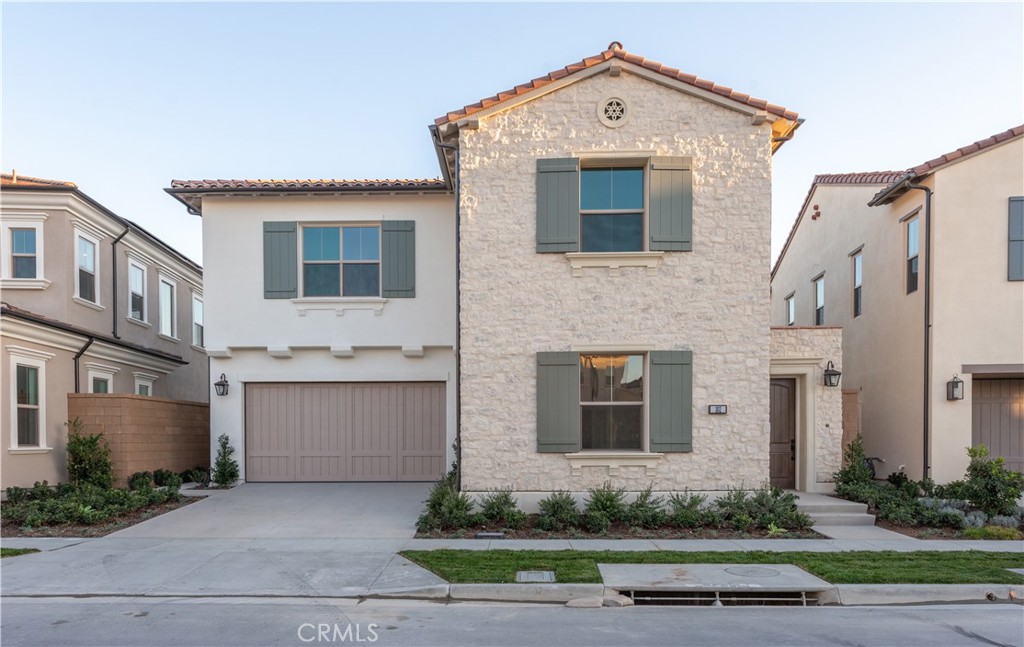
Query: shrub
point(953, 490)
point(446, 508)
point(199, 476)
point(687, 509)
point(558, 512)
point(991, 486)
point(140, 481)
point(501, 507)
point(172, 482)
point(855, 469)
point(1004, 521)
point(607, 500)
point(897, 478)
point(81, 504)
point(225, 468)
point(88, 457)
point(596, 522)
point(17, 494)
point(734, 508)
point(992, 532)
point(161, 476)
point(647, 511)
point(975, 519)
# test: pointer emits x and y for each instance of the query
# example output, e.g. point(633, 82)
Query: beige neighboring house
point(590, 301)
point(858, 258)
point(92, 303)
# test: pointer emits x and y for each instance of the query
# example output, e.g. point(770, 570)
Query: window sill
point(612, 260)
point(137, 322)
point(199, 349)
point(614, 461)
point(24, 284)
point(30, 450)
point(88, 304)
point(340, 305)
point(167, 337)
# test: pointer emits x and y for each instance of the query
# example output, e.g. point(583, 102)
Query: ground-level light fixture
point(831, 375)
point(955, 389)
point(221, 385)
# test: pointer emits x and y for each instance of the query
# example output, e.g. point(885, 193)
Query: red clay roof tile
point(9, 180)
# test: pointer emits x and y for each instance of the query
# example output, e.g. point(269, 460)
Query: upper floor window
point(168, 307)
point(913, 248)
point(791, 309)
point(341, 261)
point(858, 289)
point(612, 402)
point(612, 209)
point(819, 301)
point(1015, 251)
point(87, 269)
point(136, 291)
point(21, 250)
point(23, 253)
point(197, 322)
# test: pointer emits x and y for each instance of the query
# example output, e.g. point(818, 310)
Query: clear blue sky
point(121, 98)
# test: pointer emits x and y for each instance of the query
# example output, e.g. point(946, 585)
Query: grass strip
point(850, 567)
point(14, 552)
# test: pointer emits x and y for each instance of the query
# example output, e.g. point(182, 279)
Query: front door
point(782, 450)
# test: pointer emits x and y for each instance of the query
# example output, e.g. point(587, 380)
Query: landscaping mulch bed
point(620, 531)
point(924, 532)
point(10, 529)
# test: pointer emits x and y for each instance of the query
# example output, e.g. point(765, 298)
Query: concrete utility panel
point(709, 577)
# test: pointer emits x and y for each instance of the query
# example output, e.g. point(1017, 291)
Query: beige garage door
point(998, 408)
point(345, 431)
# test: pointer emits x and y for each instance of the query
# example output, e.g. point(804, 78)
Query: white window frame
point(640, 162)
point(790, 304)
point(172, 335)
point(100, 372)
point(916, 224)
point(22, 221)
point(198, 298)
point(645, 407)
point(132, 263)
point(146, 380)
point(97, 269)
point(35, 359)
point(819, 299)
point(857, 273)
point(341, 262)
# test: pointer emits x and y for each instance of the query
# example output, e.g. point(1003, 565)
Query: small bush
point(991, 486)
point(647, 511)
point(140, 481)
point(17, 494)
point(88, 457)
point(687, 509)
point(596, 522)
point(1004, 521)
point(993, 532)
point(199, 476)
point(897, 478)
point(855, 469)
point(607, 500)
point(945, 517)
point(501, 507)
point(160, 477)
point(81, 504)
point(558, 512)
point(446, 508)
point(975, 519)
point(225, 468)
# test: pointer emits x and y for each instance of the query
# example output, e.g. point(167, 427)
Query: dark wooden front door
point(782, 451)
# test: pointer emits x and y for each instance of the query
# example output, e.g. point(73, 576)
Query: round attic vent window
point(612, 112)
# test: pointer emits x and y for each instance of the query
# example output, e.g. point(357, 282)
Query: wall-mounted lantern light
point(955, 389)
point(221, 385)
point(831, 375)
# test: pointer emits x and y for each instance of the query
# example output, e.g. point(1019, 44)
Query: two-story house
point(924, 271)
point(92, 303)
point(591, 301)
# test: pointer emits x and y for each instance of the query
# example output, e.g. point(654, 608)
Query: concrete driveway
point(294, 511)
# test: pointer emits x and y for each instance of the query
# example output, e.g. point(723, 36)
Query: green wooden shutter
point(671, 204)
point(671, 388)
point(1015, 256)
point(558, 402)
point(558, 205)
point(280, 260)
point(398, 259)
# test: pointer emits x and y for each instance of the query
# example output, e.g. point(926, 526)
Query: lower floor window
point(28, 405)
point(100, 385)
point(612, 402)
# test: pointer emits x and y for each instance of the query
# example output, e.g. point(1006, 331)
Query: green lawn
point(14, 552)
point(855, 567)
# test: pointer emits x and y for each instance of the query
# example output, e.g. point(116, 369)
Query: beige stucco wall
point(516, 303)
point(804, 353)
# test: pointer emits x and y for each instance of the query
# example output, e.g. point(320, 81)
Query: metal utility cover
point(531, 577)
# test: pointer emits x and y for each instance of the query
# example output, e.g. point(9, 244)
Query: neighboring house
point(610, 288)
point(74, 321)
point(857, 257)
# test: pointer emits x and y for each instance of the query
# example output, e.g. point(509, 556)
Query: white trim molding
point(101, 372)
point(612, 260)
point(36, 359)
point(340, 305)
point(33, 221)
point(614, 461)
point(90, 235)
point(143, 379)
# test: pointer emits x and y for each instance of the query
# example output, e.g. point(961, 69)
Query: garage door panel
point(998, 418)
point(345, 431)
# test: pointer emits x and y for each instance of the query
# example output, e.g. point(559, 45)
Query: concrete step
point(848, 507)
point(842, 519)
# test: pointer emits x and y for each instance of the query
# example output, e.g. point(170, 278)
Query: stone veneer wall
point(713, 300)
point(823, 344)
point(146, 433)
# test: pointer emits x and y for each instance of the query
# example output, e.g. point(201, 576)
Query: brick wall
point(146, 433)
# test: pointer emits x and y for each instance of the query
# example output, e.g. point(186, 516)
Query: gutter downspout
point(458, 316)
point(927, 323)
point(78, 355)
point(113, 278)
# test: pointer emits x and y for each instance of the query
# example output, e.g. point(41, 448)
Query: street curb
point(872, 594)
point(523, 592)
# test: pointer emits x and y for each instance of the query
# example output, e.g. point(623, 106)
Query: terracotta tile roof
point(12, 180)
point(977, 146)
point(615, 51)
point(286, 185)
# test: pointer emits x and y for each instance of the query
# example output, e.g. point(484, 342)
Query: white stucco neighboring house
point(607, 318)
point(860, 257)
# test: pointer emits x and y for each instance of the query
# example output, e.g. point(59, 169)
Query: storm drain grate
point(724, 598)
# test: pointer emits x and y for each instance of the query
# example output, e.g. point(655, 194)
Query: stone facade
point(713, 300)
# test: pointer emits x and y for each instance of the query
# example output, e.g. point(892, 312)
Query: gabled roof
point(14, 182)
point(615, 51)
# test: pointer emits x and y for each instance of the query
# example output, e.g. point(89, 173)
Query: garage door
point(345, 432)
point(998, 407)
